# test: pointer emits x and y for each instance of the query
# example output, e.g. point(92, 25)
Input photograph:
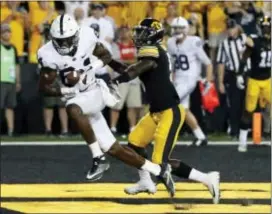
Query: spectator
point(10, 77)
point(250, 17)
point(216, 26)
point(267, 8)
point(171, 14)
point(72, 6)
point(228, 59)
point(48, 114)
point(235, 11)
point(159, 9)
point(41, 16)
point(117, 11)
point(102, 27)
point(17, 19)
point(107, 17)
point(49, 103)
point(125, 51)
point(136, 11)
point(79, 15)
point(195, 26)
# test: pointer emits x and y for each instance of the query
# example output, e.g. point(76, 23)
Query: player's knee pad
point(246, 120)
point(139, 150)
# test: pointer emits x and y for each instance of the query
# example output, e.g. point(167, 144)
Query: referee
point(228, 60)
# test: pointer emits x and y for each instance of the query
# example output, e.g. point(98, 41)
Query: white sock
point(95, 149)
point(113, 129)
point(199, 134)
point(153, 168)
point(243, 137)
point(144, 176)
point(199, 176)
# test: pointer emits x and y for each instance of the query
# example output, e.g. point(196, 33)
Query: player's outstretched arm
point(246, 55)
point(135, 70)
point(101, 52)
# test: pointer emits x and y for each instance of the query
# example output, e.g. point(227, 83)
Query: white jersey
point(187, 56)
point(102, 26)
point(94, 94)
point(81, 61)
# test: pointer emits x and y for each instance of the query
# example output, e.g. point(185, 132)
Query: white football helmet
point(179, 27)
point(65, 34)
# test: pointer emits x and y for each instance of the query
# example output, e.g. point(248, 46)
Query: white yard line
point(80, 143)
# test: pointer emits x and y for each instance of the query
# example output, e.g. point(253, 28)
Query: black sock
point(182, 171)
point(139, 150)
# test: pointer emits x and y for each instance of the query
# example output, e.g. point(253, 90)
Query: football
point(49, 77)
point(72, 78)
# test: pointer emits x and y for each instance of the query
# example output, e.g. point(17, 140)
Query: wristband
point(65, 91)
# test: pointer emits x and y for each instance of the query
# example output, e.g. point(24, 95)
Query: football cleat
point(214, 186)
point(100, 165)
point(242, 148)
point(166, 178)
point(140, 187)
point(198, 142)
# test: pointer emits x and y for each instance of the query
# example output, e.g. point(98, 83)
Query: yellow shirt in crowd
point(216, 19)
point(16, 26)
point(135, 11)
point(160, 10)
point(37, 17)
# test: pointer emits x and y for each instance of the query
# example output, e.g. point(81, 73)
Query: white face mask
point(179, 36)
point(180, 33)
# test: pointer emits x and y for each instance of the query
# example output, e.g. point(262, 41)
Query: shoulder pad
point(198, 42)
point(163, 47)
point(148, 51)
point(44, 57)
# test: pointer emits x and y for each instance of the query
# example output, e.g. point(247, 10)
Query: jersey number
point(63, 73)
point(266, 59)
point(181, 62)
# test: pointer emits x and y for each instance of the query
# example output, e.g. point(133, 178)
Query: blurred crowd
point(29, 24)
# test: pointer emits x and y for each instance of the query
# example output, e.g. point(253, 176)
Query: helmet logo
point(156, 25)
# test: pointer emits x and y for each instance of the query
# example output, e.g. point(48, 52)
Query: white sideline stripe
point(80, 143)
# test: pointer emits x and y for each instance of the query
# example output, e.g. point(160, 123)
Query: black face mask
point(140, 36)
point(65, 46)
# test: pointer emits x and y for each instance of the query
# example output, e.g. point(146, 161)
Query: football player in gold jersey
point(166, 116)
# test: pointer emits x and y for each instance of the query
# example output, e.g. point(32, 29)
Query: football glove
point(240, 82)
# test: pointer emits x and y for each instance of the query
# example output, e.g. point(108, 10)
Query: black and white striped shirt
point(230, 53)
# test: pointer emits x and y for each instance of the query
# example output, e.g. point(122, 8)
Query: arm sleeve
point(221, 57)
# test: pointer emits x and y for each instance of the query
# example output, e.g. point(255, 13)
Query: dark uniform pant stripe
point(176, 120)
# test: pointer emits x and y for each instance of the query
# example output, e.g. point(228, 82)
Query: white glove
point(114, 90)
point(240, 82)
point(69, 92)
point(207, 86)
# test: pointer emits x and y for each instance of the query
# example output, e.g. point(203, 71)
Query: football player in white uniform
point(75, 51)
point(187, 57)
